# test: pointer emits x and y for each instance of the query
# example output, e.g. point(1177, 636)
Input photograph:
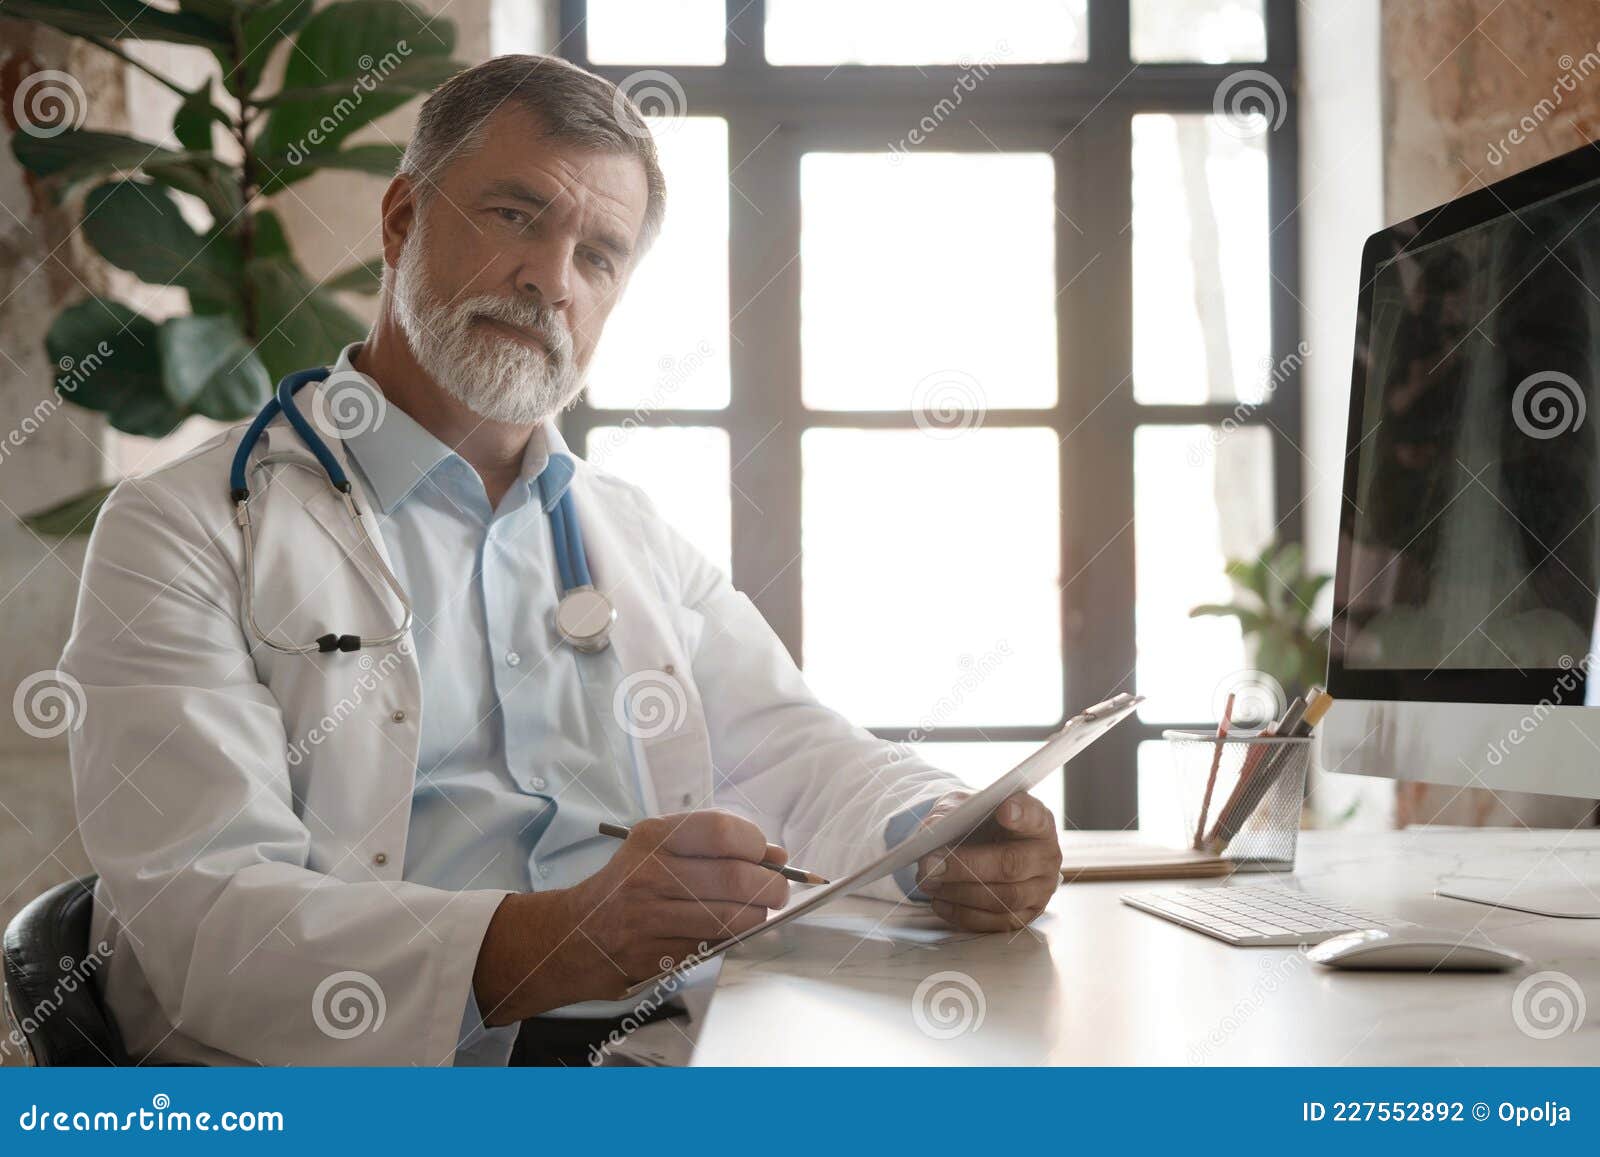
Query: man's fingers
point(708, 923)
point(1008, 862)
point(735, 881)
point(997, 897)
point(1023, 815)
point(977, 920)
point(711, 834)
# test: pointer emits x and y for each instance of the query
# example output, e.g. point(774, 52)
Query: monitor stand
point(1572, 900)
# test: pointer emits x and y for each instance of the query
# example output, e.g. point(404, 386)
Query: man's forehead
point(515, 147)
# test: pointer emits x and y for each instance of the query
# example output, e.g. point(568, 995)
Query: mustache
point(531, 316)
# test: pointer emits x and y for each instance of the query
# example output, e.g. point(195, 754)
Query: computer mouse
point(1415, 948)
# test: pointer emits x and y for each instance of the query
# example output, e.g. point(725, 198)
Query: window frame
point(775, 114)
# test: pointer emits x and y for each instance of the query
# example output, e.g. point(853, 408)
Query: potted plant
point(254, 314)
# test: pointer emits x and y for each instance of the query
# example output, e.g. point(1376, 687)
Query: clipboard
point(1076, 735)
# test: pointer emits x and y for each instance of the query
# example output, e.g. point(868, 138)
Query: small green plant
point(1275, 596)
point(254, 314)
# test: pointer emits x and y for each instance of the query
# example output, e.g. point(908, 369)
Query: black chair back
point(53, 1008)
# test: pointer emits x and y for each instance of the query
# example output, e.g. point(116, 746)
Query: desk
point(1095, 982)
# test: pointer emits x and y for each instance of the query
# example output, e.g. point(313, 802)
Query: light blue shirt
point(520, 757)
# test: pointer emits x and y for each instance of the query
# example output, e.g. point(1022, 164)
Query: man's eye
point(512, 216)
point(599, 260)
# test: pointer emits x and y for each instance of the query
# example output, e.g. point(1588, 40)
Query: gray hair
point(573, 105)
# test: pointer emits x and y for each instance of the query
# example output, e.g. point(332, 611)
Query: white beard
point(497, 377)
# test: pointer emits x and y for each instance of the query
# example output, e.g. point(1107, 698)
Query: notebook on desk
point(1139, 862)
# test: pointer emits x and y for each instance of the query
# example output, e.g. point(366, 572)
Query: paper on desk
point(1078, 733)
point(899, 928)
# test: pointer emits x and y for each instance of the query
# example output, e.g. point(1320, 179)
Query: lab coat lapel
point(656, 703)
point(353, 722)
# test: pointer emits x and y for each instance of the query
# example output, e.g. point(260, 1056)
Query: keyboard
point(1253, 916)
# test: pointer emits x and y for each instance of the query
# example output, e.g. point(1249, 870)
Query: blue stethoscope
point(583, 618)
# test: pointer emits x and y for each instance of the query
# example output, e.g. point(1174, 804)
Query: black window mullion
point(1095, 320)
point(765, 417)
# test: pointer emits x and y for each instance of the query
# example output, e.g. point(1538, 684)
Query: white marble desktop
point(1095, 982)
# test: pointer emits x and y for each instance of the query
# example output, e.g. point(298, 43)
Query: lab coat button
point(399, 716)
point(544, 871)
point(381, 859)
point(512, 659)
point(668, 669)
point(538, 783)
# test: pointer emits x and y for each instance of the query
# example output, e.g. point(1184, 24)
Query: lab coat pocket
point(680, 770)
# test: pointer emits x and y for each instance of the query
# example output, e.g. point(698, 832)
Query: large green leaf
point(364, 278)
point(415, 75)
point(107, 358)
point(298, 323)
point(347, 52)
point(266, 25)
point(211, 368)
point(382, 160)
point(68, 161)
point(138, 227)
point(191, 124)
point(121, 20)
point(74, 516)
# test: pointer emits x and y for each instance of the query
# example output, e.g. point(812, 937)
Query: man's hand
point(676, 883)
point(1000, 877)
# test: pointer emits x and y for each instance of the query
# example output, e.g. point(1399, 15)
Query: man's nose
point(546, 273)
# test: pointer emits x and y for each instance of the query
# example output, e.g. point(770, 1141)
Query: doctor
point(388, 854)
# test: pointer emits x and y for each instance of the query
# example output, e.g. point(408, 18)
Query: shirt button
point(381, 859)
point(398, 716)
point(538, 783)
point(512, 658)
point(667, 669)
point(544, 871)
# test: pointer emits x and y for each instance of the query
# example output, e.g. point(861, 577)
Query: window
point(970, 345)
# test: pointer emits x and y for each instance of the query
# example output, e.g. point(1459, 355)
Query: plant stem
point(139, 64)
point(247, 186)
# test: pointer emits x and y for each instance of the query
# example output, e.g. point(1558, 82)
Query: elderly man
point(390, 855)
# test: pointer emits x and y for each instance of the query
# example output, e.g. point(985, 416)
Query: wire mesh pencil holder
point(1250, 813)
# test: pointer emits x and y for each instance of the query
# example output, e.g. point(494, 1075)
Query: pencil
point(1216, 762)
point(798, 875)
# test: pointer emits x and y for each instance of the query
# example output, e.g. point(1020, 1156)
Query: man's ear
point(398, 216)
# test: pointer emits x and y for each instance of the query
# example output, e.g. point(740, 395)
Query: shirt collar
point(396, 453)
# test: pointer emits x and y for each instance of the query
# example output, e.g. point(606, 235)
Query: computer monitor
point(1466, 616)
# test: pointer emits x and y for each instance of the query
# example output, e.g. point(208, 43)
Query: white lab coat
point(247, 811)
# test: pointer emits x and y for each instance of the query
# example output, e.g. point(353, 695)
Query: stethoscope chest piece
point(584, 618)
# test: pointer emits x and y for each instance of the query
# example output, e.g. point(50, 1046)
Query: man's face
point(509, 269)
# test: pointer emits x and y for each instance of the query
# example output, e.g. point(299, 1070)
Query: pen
point(1216, 762)
point(798, 875)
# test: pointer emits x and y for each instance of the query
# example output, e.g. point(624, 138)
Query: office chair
point(51, 1002)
